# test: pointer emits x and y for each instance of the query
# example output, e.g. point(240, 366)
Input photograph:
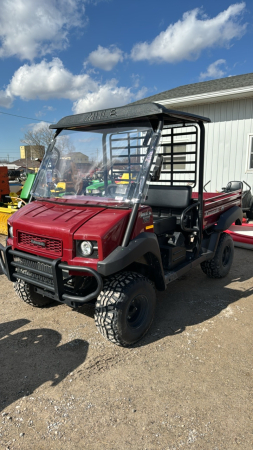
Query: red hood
point(51, 220)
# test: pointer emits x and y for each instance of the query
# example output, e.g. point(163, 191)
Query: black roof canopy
point(152, 111)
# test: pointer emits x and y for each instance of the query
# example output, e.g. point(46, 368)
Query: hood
point(43, 227)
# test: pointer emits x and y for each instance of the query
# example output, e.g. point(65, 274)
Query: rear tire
point(125, 308)
point(249, 213)
point(219, 266)
point(27, 293)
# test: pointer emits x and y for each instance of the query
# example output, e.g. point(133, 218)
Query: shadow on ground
point(195, 298)
point(32, 357)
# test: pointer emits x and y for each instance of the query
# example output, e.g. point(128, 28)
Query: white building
point(228, 102)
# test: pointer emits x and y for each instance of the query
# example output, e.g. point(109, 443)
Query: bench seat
point(167, 203)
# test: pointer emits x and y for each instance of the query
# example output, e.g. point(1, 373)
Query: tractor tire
point(219, 266)
point(27, 293)
point(125, 308)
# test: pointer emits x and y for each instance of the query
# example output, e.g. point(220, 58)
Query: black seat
point(171, 197)
point(165, 199)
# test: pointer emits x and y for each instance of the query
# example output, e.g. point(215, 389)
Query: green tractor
point(97, 185)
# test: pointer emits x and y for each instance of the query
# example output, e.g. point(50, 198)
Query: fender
point(230, 216)
point(144, 245)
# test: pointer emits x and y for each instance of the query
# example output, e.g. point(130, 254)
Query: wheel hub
point(136, 310)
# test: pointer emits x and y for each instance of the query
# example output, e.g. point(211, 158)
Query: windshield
point(108, 165)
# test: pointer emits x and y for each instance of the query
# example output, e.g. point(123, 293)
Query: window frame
point(249, 152)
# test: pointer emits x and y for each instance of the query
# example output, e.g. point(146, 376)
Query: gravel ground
point(186, 385)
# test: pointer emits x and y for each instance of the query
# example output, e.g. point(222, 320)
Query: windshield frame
point(121, 203)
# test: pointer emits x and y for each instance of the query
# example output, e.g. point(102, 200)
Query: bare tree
point(41, 134)
point(65, 145)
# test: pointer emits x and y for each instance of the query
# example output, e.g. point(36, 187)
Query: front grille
point(45, 244)
point(41, 266)
point(50, 277)
point(45, 269)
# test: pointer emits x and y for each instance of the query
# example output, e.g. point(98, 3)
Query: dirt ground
point(187, 385)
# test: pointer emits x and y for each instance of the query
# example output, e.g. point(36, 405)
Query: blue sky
point(61, 57)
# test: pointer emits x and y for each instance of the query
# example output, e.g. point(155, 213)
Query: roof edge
point(217, 96)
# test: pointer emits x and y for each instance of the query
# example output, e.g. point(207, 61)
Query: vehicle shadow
point(32, 357)
point(195, 298)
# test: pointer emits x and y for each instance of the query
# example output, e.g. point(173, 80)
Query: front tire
point(220, 265)
point(27, 293)
point(125, 308)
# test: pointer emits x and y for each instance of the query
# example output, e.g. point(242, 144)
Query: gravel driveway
point(187, 385)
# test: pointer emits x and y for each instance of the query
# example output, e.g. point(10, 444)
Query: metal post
point(130, 225)
point(134, 213)
point(201, 175)
point(105, 161)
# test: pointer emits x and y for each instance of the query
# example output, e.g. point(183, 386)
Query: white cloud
point(6, 99)
point(40, 113)
point(135, 79)
point(106, 96)
point(39, 126)
point(30, 28)
point(105, 58)
point(214, 71)
point(141, 93)
point(49, 80)
point(44, 111)
point(186, 38)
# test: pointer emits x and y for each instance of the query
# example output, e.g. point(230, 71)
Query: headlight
point(10, 232)
point(86, 248)
point(95, 191)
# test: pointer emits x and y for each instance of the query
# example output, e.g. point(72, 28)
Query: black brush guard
point(46, 274)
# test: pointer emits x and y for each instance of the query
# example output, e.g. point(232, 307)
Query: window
point(250, 154)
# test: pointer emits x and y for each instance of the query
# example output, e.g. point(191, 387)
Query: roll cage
point(169, 127)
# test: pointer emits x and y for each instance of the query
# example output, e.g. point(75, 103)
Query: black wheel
point(220, 264)
point(249, 213)
point(27, 293)
point(125, 308)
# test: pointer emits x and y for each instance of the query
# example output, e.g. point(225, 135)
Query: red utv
point(117, 248)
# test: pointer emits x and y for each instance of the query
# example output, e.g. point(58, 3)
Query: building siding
point(226, 140)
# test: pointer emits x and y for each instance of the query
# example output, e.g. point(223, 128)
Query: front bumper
point(46, 274)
